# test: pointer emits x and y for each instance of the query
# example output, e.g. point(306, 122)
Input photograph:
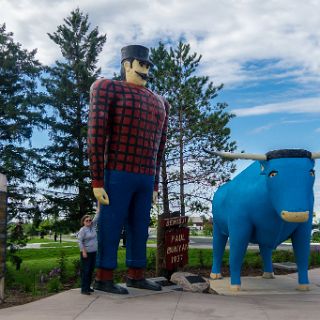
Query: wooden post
point(3, 231)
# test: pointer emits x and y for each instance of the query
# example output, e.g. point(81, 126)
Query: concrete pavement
point(260, 299)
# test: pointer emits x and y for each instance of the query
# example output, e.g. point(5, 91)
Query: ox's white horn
point(231, 155)
point(315, 155)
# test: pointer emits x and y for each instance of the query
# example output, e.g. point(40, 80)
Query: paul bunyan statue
point(126, 137)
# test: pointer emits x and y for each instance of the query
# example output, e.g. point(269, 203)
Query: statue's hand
point(155, 197)
point(101, 195)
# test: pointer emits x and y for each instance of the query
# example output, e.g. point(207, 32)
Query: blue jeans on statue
point(130, 196)
point(87, 268)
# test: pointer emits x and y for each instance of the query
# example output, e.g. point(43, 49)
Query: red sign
point(176, 244)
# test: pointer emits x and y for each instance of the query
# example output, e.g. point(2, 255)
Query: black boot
point(143, 284)
point(109, 286)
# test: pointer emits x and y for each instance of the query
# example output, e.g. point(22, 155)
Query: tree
point(195, 124)
point(16, 240)
point(20, 112)
point(65, 164)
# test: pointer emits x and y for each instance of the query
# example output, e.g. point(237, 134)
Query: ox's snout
point(295, 216)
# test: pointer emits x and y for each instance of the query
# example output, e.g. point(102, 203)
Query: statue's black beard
point(144, 76)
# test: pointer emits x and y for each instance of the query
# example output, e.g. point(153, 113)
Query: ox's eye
point(312, 173)
point(273, 173)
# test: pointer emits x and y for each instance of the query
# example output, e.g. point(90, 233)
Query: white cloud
point(308, 105)
point(280, 39)
point(262, 128)
point(227, 33)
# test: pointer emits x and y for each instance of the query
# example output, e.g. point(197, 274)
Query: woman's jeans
point(87, 268)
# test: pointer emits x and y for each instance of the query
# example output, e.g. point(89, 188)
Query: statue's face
point(137, 73)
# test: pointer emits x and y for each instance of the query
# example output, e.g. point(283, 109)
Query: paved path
point(195, 242)
point(276, 300)
point(47, 246)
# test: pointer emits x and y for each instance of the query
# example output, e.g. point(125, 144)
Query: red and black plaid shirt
point(126, 131)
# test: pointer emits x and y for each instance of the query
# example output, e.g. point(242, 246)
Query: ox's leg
point(266, 254)
point(239, 238)
point(218, 246)
point(301, 247)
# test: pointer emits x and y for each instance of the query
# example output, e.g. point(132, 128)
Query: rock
point(191, 282)
point(288, 266)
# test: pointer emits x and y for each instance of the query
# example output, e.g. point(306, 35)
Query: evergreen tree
point(195, 124)
point(65, 163)
point(20, 112)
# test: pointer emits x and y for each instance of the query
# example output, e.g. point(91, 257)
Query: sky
point(266, 53)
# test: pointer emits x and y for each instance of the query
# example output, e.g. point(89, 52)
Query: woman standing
point(88, 243)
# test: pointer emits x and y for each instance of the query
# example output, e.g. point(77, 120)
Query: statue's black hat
point(137, 52)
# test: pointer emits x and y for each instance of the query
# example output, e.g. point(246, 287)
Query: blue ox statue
point(267, 203)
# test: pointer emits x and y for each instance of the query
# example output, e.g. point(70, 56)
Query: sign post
point(3, 231)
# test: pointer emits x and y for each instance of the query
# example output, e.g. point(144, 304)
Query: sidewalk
point(260, 299)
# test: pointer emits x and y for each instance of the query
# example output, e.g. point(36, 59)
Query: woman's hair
point(84, 218)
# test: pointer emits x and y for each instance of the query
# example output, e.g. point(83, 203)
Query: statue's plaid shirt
point(126, 130)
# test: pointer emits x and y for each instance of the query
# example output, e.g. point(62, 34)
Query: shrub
point(27, 285)
point(151, 261)
point(315, 257)
point(201, 259)
point(54, 273)
point(316, 237)
point(62, 266)
point(15, 260)
point(77, 266)
point(54, 285)
point(283, 255)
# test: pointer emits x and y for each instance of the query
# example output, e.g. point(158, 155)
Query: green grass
point(37, 262)
point(40, 254)
point(316, 237)
point(45, 259)
point(203, 258)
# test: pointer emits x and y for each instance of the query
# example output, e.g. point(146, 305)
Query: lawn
point(49, 270)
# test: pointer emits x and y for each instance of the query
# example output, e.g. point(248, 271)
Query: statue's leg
point(239, 239)
point(301, 247)
point(138, 222)
point(137, 234)
point(218, 246)
point(111, 221)
point(112, 218)
point(266, 255)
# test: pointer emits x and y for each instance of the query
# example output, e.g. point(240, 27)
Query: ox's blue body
point(248, 209)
